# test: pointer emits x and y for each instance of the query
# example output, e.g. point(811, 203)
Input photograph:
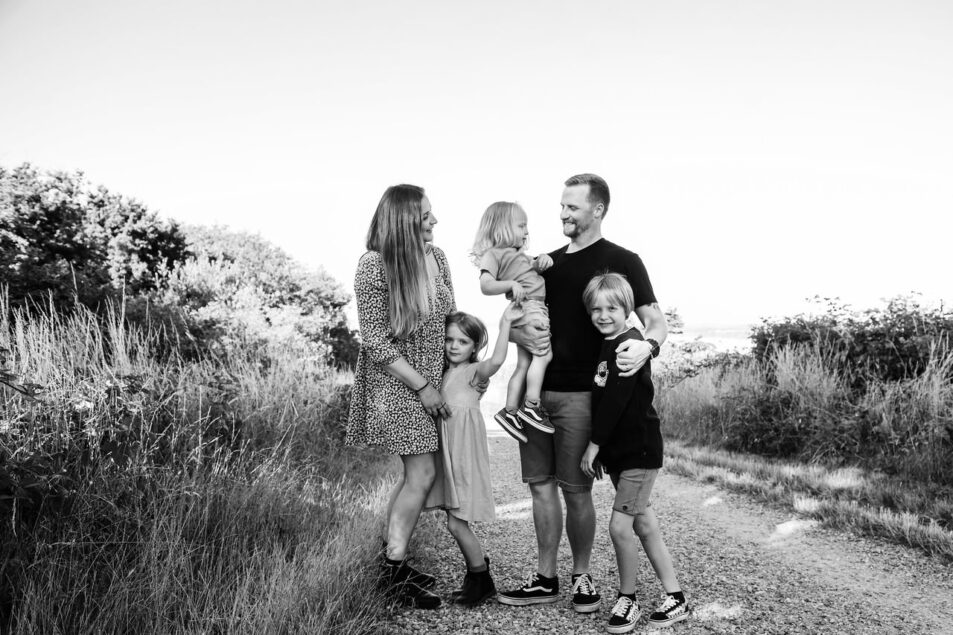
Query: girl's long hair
point(497, 229)
point(395, 232)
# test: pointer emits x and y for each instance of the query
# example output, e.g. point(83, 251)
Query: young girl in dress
point(462, 486)
point(505, 268)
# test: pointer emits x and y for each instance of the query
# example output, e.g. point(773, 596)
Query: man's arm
point(631, 355)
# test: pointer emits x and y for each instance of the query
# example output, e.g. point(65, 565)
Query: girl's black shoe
point(477, 587)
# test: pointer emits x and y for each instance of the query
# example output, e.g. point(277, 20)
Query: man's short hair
point(598, 188)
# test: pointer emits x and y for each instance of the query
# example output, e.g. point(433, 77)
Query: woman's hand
point(433, 403)
point(517, 292)
point(543, 262)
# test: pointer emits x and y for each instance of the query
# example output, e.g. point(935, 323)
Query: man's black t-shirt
point(575, 341)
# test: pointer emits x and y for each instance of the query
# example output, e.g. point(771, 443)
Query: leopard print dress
point(384, 411)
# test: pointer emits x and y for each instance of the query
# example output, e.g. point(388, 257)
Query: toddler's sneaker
point(671, 610)
point(625, 615)
point(511, 423)
point(536, 417)
point(537, 590)
point(584, 596)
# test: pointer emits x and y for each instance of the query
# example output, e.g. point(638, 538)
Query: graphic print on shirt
point(602, 372)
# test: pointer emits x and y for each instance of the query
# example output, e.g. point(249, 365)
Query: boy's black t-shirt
point(575, 341)
point(625, 424)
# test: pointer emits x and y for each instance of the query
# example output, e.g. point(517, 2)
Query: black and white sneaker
point(511, 423)
point(671, 610)
point(537, 590)
point(584, 596)
point(536, 417)
point(625, 615)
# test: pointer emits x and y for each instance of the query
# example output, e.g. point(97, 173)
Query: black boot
point(419, 578)
point(466, 576)
point(477, 587)
point(396, 579)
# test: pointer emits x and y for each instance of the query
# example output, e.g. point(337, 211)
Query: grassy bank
point(139, 495)
point(836, 441)
point(840, 497)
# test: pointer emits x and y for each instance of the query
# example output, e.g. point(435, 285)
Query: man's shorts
point(535, 313)
point(557, 456)
point(632, 490)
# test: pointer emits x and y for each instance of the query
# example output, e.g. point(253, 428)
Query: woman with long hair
point(404, 295)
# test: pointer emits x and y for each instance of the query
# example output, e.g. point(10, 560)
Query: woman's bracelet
point(418, 390)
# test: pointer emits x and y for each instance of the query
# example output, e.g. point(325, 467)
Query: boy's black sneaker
point(536, 417)
point(509, 422)
point(537, 590)
point(625, 615)
point(584, 596)
point(671, 610)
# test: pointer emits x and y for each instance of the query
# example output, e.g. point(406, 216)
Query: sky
point(759, 152)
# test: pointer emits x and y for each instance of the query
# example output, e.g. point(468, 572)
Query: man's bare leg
point(580, 528)
point(547, 517)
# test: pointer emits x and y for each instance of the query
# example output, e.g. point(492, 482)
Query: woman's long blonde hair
point(497, 229)
point(395, 232)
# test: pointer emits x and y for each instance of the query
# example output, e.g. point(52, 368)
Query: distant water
point(723, 338)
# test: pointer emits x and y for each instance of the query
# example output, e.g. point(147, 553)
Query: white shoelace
point(669, 603)
point(622, 606)
point(583, 584)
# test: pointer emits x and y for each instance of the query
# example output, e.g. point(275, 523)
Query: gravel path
point(745, 568)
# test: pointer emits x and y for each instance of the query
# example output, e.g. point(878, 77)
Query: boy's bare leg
point(626, 550)
point(647, 529)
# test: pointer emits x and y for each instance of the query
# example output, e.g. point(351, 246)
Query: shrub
point(63, 238)
point(887, 344)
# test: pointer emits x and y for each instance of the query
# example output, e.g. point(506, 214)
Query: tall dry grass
point(800, 404)
point(156, 496)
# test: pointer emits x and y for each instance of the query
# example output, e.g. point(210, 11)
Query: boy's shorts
point(535, 313)
point(557, 456)
point(632, 490)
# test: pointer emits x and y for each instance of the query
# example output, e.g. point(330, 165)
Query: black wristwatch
point(655, 347)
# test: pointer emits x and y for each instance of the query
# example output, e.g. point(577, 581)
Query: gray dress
point(384, 411)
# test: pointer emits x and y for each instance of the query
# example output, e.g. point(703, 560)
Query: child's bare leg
point(626, 550)
point(535, 375)
point(514, 389)
point(647, 529)
point(467, 541)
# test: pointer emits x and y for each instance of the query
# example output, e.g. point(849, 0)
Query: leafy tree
point(241, 289)
point(62, 237)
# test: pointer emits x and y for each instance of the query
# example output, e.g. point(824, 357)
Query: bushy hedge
point(198, 291)
point(885, 344)
point(872, 388)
